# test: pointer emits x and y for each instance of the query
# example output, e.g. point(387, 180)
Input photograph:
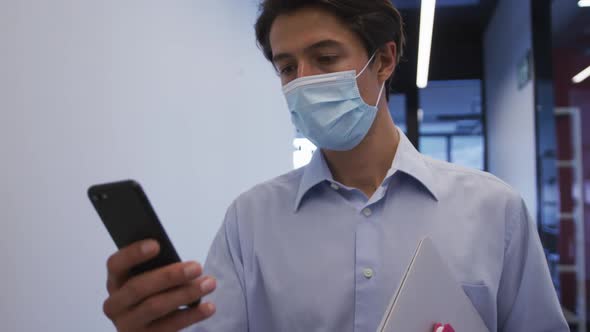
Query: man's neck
point(365, 166)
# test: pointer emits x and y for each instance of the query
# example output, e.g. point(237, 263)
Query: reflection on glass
point(467, 151)
point(435, 147)
point(451, 127)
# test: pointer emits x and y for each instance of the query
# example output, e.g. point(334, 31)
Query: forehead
point(306, 26)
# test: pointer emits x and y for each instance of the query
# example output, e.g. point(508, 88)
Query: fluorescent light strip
point(584, 74)
point(425, 43)
point(584, 3)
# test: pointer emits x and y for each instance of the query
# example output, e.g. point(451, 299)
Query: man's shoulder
point(452, 178)
point(281, 188)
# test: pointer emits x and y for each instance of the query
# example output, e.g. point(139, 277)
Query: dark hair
point(376, 22)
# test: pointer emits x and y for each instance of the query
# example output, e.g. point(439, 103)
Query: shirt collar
point(411, 162)
point(315, 172)
point(407, 160)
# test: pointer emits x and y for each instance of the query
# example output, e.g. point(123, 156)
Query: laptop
point(429, 294)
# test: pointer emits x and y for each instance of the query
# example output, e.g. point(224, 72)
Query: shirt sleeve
point(224, 262)
point(527, 300)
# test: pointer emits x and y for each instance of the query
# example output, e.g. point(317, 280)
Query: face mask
point(328, 109)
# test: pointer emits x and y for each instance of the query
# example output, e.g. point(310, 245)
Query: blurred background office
point(176, 95)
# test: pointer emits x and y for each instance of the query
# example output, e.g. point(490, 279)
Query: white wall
point(510, 111)
point(174, 94)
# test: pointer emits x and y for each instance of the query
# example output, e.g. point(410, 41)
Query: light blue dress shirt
point(303, 252)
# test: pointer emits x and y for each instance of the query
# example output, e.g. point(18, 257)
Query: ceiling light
point(584, 3)
point(584, 74)
point(425, 43)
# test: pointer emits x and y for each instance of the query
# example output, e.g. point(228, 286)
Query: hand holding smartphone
point(141, 276)
point(129, 217)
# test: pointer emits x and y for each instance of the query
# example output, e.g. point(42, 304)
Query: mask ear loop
point(367, 65)
point(380, 94)
point(382, 86)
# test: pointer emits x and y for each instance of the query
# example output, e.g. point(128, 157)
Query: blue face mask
point(328, 109)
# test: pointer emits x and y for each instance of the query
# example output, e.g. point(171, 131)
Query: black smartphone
point(129, 217)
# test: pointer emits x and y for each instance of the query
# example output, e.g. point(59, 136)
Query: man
point(323, 248)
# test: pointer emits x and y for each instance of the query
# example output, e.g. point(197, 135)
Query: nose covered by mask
point(328, 109)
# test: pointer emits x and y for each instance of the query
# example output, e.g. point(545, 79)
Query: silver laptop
point(429, 294)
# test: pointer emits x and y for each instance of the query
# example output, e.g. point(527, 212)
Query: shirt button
point(368, 273)
point(335, 186)
point(367, 212)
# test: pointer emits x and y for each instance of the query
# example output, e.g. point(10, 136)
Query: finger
point(119, 264)
point(163, 304)
point(448, 328)
point(150, 283)
point(437, 327)
point(180, 319)
point(111, 285)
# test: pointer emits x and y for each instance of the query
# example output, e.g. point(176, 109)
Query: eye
point(286, 70)
point(327, 59)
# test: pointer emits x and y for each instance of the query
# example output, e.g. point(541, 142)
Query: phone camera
point(104, 196)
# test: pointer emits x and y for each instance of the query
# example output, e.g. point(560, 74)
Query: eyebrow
point(321, 44)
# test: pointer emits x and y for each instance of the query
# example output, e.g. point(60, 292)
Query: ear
point(386, 58)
